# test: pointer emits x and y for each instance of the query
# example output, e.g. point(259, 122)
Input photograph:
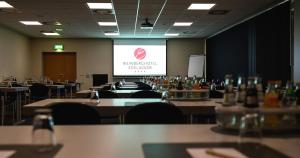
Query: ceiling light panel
point(4, 4)
point(111, 34)
point(182, 24)
point(31, 22)
point(171, 34)
point(107, 23)
point(201, 6)
point(100, 5)
point(51, 33)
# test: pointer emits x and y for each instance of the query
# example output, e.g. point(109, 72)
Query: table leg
point(58, 92)
point(71, 91)
point(191, 119)
point(3, 110)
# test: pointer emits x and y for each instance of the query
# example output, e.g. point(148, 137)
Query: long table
point(119, 106)
point(18, 91)
point(116, 141)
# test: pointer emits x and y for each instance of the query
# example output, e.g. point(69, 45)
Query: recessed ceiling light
point(100, 5)
point(51, 33)
point(171, 34)
point(182, 24)
point(4, 4)
point(107, 23)
point(201, 6)
point(31, 23)
point(111, 33)
point(57, 23)
point(59, 30)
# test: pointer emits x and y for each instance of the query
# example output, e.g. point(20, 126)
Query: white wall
point(297, 41)
point(178, 53)
point(95, 55)
point(14, 54)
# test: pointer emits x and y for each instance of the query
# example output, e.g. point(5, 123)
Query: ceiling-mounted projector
point(146, 25)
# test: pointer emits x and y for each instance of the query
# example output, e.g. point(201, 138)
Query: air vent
point(56, 23)
point(103, 11)
point(218, 12)
point(9, 10)
point(189, 32)
point(110, 31)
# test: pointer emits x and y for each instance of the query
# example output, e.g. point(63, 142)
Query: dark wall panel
point(258, 46)
point(273, 43)
point(227, 53)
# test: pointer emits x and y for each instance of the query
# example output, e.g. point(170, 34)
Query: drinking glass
point(43, 132)
point(164, 96)
point(250, 129)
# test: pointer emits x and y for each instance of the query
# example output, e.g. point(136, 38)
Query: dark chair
point(215, 94)
point(107, 94)
point(145, 94)
point(39, 91)
point(143, 86)
point(74, 114)
point(154, 113)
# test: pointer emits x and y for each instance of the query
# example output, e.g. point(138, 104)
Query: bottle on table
point(241, 93)
point(289, 98)
point(260, 90)
point(229, 96)
point(297, 91)
point(271, 100)
point(251, 100)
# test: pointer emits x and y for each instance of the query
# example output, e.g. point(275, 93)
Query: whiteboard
point(196, 65)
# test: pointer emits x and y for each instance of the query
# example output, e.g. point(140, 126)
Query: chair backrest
point(215, 94)
point(143, 86)
point(145, 94)
point(74, 114)
point(39, 91)
point(154, 113)
point(107, 94)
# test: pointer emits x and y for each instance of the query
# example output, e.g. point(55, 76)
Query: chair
point(143, 86)
point(74, 114)
point(154, 113)
point(215, 94)
point(145, 94)
point(107, 94)
point(39, 91)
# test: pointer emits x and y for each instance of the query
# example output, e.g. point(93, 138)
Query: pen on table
point(217, 154)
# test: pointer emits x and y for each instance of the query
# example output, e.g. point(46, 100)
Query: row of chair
point(146, 113)
point(139, 94)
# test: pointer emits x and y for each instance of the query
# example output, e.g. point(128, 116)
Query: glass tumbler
point(43, 132)
point(165, 96)
point(250, 129)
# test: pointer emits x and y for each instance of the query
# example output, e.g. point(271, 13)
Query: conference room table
point(121, 93)
point(138, 141)
point(18, 91)
point(119, 106)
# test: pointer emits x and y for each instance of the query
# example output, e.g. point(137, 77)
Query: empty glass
point(250, 129)
point(43, 131)
point(94, 95)
point(164, 96)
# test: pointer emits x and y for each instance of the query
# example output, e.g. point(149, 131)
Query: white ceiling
point(80, 22)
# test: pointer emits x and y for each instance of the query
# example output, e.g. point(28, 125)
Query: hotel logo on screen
point(140, 53)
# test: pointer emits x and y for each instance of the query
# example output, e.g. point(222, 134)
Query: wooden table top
point(13, 89)
point(125, 141)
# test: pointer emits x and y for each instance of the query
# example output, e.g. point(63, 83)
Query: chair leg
point(3, 110)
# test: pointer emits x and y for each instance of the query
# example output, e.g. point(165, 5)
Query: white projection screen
point(140, 57)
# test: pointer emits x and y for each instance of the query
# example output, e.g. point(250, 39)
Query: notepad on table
point(215, 153)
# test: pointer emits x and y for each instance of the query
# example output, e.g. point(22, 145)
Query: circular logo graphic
point(140, 53)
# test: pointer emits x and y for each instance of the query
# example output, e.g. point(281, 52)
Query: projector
point(146, 25)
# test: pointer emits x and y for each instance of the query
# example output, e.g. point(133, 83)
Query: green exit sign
point(58, 47)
